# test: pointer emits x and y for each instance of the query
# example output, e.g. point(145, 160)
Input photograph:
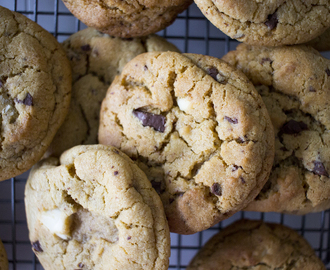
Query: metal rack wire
point(191, 32)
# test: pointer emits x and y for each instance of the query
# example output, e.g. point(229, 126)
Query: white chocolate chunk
point(57, 222)
point(184, 104)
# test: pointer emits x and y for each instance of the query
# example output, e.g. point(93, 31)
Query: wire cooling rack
point(191, 32)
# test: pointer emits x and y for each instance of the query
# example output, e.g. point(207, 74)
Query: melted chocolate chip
point(145, 68)
point(272, 21)
point(155, 121)
point(231, 120)
point(311, 89)
point(213, 72)
point(235, 168)
point(28, 100)
point(129, 238)
point(157, 186)
point(81, 265)
point(319, 169)
point(242, 180)
point(115, 173)
point(327, 71)
point(293, 127)
point(86, 48)
point(263, 60)
point(37, 247)
point(216, 189)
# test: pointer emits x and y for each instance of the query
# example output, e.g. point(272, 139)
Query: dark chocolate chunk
point(311, 89)
point(145, 68)
point(155, 121)
point(157, 186)
point(242, 180)
point(327, 71)
point(213, 72)
point(319, 169)
point(129, 238)
point(235, 168)
point(28, 100)
point(231, 120)
point(81, 265)
point(115, 173)
point(293, 127)
point(216, 189)
point(86, 48)
point(272, 21)
point(37, 247)
point(263, 60)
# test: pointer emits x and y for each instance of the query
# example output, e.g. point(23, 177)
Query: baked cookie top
point(127, 18)
point(96, 59)
point(270, 22)
point(295, 86)
point(248, 244)
point(198, 129)
point(35, 88)
point(95, 209)
point(3, 258)
point(322, 42)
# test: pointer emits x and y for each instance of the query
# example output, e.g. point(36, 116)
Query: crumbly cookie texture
point(95, 209)
point(322, 42)
point(3, 258)
point(197, 128)
point(270, 22)
point(295, 86)
point(127, 18)
point(248, 244)
point(96, 59)
point(35, 88)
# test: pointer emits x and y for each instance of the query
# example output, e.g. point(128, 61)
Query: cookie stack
point(155, 141)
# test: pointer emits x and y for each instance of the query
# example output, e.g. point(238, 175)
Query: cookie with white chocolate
point(95, 209)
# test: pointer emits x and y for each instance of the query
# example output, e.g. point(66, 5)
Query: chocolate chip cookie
point(198, 129)
point(96, 59)
point(95, 209)
point(248, 244)
point(35, 88)
point(127, 18)
point(294, 83)
point(268, 23)
point(3, 258)
point(322, 42)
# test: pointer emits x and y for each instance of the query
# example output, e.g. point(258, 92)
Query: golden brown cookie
point(270, 22)
point(127, 18)
point(95, 209)
point(96, 59)
point(294, 83)
point(248, 245)
point(199, 130)
point(3, 258)
point(35, 88)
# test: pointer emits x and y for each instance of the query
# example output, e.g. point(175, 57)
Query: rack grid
point(191, 32)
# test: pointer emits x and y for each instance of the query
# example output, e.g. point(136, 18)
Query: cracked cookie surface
point(197, 128)
point(270, 22)
point(35, 88)
point(96, 59)
point(248, 244)
point(294, 83)
point(95, 209)
point(3, 258)
point(127, 18)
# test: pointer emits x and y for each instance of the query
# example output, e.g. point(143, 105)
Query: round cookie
point(248, 244)
point(96, 59)
point(95, 209)
point(197, 128)
point(127, 18)
point(268, 23)
point(295, 86)
point(3, 258)
point(35, 88)
point(322, 42)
